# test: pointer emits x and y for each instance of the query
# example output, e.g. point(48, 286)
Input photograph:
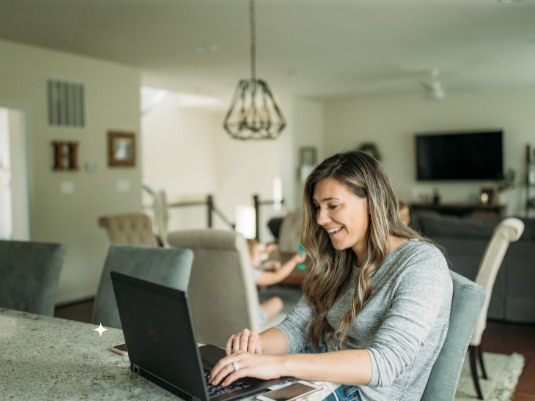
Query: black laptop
point(162, 346)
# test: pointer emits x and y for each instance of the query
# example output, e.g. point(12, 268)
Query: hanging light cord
point(253, 39)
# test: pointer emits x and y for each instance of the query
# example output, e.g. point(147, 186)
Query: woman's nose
point(322, 217)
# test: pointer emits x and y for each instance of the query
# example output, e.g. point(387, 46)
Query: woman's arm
point(353, 367)
point(269, 278)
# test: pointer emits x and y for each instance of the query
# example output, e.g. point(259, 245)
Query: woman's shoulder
point(415, 255)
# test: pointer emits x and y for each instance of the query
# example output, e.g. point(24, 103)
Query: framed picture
point(307, 156)
point(531, 177)
point(121, 149)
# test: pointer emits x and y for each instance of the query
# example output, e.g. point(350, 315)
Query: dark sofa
point(465, 240)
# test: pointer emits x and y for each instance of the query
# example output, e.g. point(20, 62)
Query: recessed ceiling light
point(206, 48)
point(509, 1)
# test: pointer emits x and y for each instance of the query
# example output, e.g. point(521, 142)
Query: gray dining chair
point(29, 275)
point(166, 266)
point(467, 303)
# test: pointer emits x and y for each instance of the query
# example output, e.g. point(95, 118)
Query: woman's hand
point(250, 365)
point(246, 341)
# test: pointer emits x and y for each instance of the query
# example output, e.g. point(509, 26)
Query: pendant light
point(253, 113)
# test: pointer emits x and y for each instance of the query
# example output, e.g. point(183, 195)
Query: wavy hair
point(331, 269)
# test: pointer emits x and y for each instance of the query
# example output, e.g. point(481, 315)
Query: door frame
point(27, 144)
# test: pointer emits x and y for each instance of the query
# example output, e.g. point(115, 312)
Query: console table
point(458, 209)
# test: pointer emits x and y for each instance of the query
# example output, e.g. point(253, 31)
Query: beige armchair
point(129, 229)
point(223, 296)
point(509, 230)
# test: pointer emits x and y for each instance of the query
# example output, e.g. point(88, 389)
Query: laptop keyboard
point(214, 391)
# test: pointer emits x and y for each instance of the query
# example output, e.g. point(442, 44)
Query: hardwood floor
point(506, 338)
point(79, 312)
point(499, 337)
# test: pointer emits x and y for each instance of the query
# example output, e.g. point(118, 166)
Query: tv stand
point(459, 209)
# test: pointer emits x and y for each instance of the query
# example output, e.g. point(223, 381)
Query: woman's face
point(342, 214)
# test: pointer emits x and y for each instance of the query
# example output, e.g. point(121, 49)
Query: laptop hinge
point(163, 383)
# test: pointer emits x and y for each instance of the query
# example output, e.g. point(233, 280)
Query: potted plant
point(505, 182)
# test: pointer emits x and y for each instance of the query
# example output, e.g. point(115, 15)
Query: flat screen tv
point(459, 156)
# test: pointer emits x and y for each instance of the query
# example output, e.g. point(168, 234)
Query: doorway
point(14, 200)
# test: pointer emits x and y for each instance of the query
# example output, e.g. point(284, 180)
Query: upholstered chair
point(129, 229)
point(466, 305)
point(509, 230)
point(223, 295)
point(29, 275)
point(290, 232)
point(170, 267)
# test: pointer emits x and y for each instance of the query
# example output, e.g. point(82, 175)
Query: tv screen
point(459, 156)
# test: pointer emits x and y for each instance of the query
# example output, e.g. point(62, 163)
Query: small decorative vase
point(502, 198)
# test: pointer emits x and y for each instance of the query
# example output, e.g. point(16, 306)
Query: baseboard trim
point(75, 301)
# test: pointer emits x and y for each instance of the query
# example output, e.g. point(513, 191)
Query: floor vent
point(66, 104)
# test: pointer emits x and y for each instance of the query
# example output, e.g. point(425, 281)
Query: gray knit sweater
point(403, 324)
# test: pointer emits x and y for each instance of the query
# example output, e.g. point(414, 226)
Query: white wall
point(308, 132)
point(112, 102)
point(188, 153)
point(392, 121)
point(179, 149)
point(6, 221)
point(19, 176)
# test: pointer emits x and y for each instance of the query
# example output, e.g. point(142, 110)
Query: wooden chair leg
point(473, 368)
point(480, 357)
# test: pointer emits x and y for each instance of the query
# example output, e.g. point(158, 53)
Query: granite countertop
point(46, 358)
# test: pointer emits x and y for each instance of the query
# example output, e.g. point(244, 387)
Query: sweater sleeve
point(418, 299)
point(295, 327)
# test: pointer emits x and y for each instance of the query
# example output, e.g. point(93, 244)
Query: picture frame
point(308, 156)
point(531, 177)
point(121, 149)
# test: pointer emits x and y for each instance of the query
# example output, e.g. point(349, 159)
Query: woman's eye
point(332, 207)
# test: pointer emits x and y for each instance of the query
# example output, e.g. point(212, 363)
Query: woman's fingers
point(244, 340)
point(250, 365)
point(221, 373)
point(223, 368)
point(247, 341)
point(229, 344)
point(254, 343)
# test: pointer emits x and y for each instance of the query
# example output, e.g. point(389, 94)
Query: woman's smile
point(334, 231)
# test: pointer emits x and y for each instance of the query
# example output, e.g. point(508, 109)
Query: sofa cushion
point(457, 227)
point(529, 230)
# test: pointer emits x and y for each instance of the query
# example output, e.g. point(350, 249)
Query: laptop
point(162, 346)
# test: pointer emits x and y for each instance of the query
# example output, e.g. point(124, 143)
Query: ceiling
point(314, 48)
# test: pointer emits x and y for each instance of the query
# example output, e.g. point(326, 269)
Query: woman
point(376, 303)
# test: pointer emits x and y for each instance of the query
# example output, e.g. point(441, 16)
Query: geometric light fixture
point(253, 112)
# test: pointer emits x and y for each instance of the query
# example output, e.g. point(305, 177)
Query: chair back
point(223, 295)
point(467, 302)
point(129, 229)
point(290, 232)
point(29, 275)
point(169, 267)
point(509, 230)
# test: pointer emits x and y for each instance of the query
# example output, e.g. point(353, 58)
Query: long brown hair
point(331, 269)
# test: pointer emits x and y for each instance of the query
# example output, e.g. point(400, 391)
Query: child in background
point(403, 211)
point(274, 305)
